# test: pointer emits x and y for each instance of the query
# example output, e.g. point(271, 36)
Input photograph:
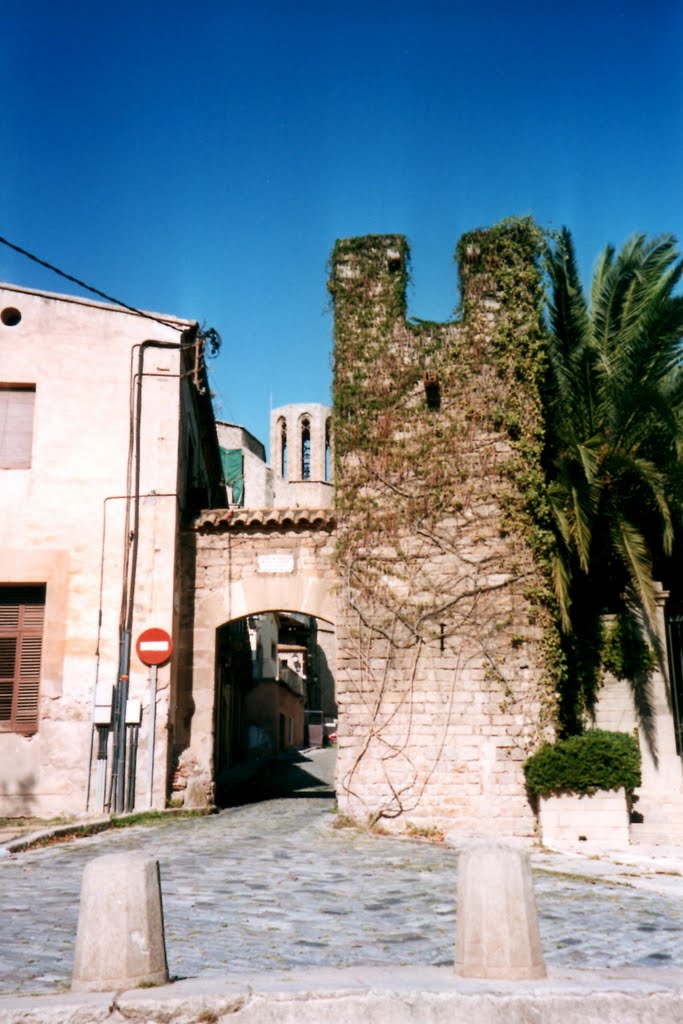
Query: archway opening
point(275, 694)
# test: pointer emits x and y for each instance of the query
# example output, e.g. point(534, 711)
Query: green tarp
point(232, 463)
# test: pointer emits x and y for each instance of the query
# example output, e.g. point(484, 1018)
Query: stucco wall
point(62, 523)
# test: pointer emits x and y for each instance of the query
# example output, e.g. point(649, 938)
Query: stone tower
point(443, 684)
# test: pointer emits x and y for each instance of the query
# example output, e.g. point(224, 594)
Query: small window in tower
point(283, 449)
point(305, 449)
point(393, 261)
point(328, 451)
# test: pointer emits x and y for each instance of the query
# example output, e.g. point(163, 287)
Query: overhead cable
point(89, 288)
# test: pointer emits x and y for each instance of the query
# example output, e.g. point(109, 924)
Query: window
point(22, 611)
point(328, 451)
point(283, 449)
point(16, 425)
point(305, 449)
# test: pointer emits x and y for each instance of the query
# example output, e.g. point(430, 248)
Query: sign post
point(154, 646)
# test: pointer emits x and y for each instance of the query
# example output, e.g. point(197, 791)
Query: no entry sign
point(154, 646)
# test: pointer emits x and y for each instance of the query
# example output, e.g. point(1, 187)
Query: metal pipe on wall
point(119, 782)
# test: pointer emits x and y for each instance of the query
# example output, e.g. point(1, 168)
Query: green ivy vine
point(417, 482)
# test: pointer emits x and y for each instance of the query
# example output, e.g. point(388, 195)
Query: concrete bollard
point(120, 938)
point(497, 923)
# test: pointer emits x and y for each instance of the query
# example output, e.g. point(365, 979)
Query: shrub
point(583, 764)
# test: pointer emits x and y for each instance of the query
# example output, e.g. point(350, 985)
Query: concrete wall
point(62, 524)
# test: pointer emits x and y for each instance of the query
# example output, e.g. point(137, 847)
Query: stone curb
point(373, 995)
point(92, 826)
point(74, 828)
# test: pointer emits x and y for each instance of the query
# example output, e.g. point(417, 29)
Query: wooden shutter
point(8, 665)
point(21, 647)
point(17, 403)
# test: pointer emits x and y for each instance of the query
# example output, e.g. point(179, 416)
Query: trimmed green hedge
point(583, 764)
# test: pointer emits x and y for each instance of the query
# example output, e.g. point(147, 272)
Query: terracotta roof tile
point(236, 518)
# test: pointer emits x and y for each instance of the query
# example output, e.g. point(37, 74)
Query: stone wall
point(243, 562)
point(442, 682)
point(570, 820)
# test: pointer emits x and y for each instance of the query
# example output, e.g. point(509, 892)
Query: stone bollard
point(120, 939)
point(497, 923)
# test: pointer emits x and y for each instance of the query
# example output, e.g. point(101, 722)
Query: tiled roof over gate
point(236, 518)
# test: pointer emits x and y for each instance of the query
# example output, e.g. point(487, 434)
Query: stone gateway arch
point(246, 563)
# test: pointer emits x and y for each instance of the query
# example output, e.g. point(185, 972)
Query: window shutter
point(16, 425)
point(8, 666)
point(21, 648)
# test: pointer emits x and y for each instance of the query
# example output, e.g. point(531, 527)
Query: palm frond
point(614, 428)
point(561, 578)
point(635, 553)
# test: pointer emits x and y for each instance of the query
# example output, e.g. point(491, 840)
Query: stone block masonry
point(444, 682)
point(238, 563)
point(570, 820)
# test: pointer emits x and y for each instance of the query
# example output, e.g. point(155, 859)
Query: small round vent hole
point(10, 316)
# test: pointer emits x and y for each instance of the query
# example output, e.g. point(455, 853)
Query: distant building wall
point(301, 444)
point(325, 667)
point(301, 455)
point(258, 476)
point(279, 712)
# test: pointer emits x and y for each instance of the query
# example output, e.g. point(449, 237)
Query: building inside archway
point(275, 686)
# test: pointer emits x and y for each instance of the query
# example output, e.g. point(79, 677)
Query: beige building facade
point(107, 443)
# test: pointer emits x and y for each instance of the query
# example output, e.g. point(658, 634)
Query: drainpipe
point(118, 782)
point(103, 718)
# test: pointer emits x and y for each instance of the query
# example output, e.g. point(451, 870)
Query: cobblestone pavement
point(276, 885)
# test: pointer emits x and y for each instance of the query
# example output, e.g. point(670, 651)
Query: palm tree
point(614, 418)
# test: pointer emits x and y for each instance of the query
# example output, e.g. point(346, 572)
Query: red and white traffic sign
point(154, 646)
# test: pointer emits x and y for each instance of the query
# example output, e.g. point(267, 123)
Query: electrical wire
point(89, 288)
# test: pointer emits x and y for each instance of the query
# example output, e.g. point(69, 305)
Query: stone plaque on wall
point(276, 563)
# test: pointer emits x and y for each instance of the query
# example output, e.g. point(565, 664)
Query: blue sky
point(201, 159)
